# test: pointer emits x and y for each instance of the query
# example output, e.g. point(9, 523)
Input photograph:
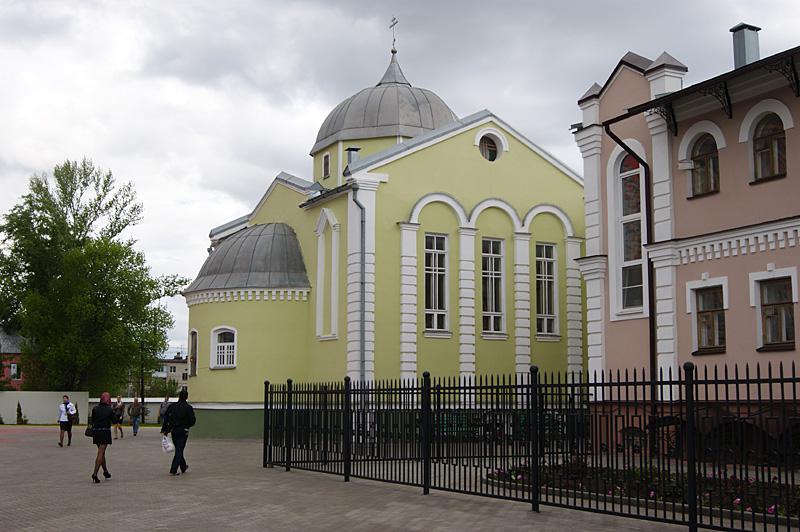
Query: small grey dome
point(260, 256)
point(391, 108)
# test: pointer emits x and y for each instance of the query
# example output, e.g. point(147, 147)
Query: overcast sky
point(201, 104)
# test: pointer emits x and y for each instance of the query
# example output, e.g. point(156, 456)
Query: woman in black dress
point(102, 418)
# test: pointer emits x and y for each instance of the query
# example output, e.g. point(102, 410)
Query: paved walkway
point(45, 487)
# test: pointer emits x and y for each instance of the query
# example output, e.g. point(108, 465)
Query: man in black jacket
point(178, 419)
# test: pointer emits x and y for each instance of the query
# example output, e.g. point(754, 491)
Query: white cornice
point(743, 241)
point(268, 294)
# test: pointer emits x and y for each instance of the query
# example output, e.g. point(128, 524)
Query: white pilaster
point(589, 140)
point(367, 197)
point(408, 300)
point(574, 306)
point(664, 263)
point(594, 270)
point(466, 301)
point(661, 175)
point(522, 302)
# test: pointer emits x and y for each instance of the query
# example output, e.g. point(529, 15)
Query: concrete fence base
point(40, 408)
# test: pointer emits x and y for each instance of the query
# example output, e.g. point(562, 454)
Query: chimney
point(745, 44)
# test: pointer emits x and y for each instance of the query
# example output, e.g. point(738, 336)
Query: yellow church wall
point(264, 350)
point(454, 166)
point(368, 147)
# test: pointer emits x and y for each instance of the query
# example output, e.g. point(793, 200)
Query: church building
point(421, 242)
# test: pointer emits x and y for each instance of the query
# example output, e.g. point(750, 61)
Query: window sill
point(709, 351)
point(222, 367)
point(766, 179)
point(437, 334)
point(630, 311)
point(789, 346)
point(548, 337)
point(494, 336)
point(327, 337)
point(702, 194)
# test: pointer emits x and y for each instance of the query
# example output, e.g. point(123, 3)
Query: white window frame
point(748, 127)
point(195, 354)
point(446, 273)
point(691, 302)
point(755, 293)
point(621, 221)
point(554, 281)
point(502, 310)
point(214, 332)
point(326, 157)
point(614, 232)
point(13, 371)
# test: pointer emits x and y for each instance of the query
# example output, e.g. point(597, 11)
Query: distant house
point(175, 369)
point(10, 355)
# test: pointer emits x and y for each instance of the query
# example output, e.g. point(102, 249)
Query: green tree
point(81, 295)
point(161, 387)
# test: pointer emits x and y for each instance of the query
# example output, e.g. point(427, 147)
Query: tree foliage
point(82, 297)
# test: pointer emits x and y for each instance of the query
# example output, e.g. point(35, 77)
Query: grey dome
point(391, 108)
point(260, 256)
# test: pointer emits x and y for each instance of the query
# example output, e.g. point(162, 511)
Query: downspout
point(362, 362)
point(651, 284)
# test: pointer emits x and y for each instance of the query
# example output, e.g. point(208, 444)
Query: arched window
point(223, 354)
point(193, 354)
point(705, 166)
point(631, 229)
point(769, 148)
point(488, 148)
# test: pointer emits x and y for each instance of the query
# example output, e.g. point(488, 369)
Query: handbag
point(89, 432)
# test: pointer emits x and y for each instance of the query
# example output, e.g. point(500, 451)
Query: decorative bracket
point(720, 92)
point(668, 114)
point(789, 71)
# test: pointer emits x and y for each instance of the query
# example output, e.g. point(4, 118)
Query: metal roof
point(260, 256)
point(10, 343)
point(391, 108)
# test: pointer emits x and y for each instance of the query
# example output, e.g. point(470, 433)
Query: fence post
point(533, 438)
point(267, 426)
point(691, 445)
point(289, 432)
point(426, 432)
point(347, 432)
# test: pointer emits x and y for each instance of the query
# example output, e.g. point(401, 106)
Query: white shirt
point(63, 409)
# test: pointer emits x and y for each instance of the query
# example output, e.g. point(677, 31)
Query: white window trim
point(755, 292)
point(326, 155)
point(691, 300)
point(495, 135)
point(13, 371)
point(692, 135)
point(503, 332)
point(196, 354)
point(556, 334)
point(214, 331)
point(751, 120)
point(438, 333)
point(614, 230)
point(327, 218)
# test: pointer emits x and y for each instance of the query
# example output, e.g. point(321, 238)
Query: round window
point(488, 148)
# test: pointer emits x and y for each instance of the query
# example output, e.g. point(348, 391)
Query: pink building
point(10, 354)
point(692, 200)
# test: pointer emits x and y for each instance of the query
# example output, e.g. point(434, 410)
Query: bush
point(1, 420)
point(21, 420)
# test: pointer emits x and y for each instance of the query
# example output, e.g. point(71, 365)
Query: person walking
point(162, 410)
point(66, 417)
point(135, 413)
point(178, 419)
point(119, 414)
point(102, 418)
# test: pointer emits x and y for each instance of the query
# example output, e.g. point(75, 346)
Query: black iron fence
point(719, 450)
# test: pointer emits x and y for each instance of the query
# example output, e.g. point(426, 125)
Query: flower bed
point(741, 495)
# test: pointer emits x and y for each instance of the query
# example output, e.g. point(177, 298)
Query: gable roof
point(298, 184)
point(419, 142)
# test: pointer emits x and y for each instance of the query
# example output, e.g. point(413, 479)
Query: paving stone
point(45, 487)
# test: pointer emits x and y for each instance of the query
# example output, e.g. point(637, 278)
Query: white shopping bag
point(166, 445)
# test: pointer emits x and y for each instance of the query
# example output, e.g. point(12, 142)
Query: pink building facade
point(10, 355)
point(692, 212)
